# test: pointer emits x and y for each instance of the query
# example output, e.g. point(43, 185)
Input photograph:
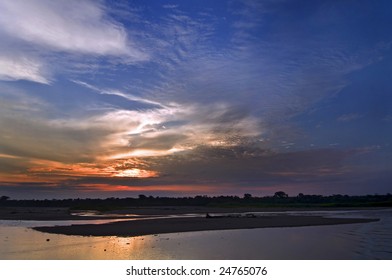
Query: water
point(354, 241)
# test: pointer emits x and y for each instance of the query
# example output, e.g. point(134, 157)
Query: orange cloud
point(63, 171)
point(167, 188)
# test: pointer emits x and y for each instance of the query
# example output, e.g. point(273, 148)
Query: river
point(352, 241)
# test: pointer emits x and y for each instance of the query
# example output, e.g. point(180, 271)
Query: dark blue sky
point(117, 98)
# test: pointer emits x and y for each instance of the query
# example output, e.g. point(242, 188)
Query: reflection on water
point(355, 241)
point(24, 243)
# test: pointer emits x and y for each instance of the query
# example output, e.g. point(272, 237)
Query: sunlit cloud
point(8, 156)
point(19, 67)
point(136, 173)
point(62, 172)
point(119, 93)
point(146, 153)
point(168, 189)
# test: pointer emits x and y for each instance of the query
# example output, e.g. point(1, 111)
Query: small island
point(173, 225)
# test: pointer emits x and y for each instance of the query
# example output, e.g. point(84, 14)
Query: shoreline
point(176, 225)
point(62, 213)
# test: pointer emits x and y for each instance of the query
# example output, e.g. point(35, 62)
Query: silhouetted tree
point(247, 196)
point(4, 198)
point(281, 194)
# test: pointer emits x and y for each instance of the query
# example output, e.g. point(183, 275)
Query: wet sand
point(174, 225)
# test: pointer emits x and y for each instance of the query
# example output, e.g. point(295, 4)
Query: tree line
point(279, 199)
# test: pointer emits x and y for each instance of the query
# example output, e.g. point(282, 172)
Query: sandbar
point(189, 224)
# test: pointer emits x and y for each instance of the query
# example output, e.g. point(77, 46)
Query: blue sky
point(117, 98)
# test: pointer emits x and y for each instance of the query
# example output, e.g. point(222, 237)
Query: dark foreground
point(173, 225)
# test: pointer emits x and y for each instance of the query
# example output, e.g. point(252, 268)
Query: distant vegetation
point(280, 199)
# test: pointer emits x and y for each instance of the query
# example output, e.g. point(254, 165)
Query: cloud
point(170, 6)
point(119, 93)
point(115, 133)
point(176, 36)
point(251, 165)
point(69, 26)
point(387, 118)
point(229, 168)
point(221, 100)
point(349, 117)
point(13, 68)
point(41, 39)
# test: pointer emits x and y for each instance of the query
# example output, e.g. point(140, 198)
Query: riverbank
point(49, 214)
point(64, 213)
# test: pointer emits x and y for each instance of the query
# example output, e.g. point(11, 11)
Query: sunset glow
point(194, 97)
point(136, 173)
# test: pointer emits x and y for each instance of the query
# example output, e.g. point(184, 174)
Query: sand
point(173, 225)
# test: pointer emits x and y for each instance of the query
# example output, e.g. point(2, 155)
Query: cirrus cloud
point(14, 68)
point(70, 26)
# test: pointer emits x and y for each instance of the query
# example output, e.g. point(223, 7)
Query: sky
point(183, 98)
